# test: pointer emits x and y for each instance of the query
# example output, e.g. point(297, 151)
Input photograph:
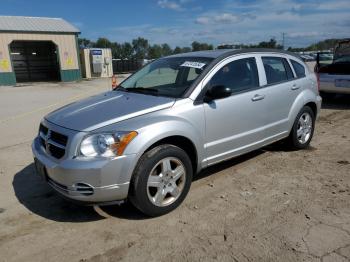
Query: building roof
point(36, 24)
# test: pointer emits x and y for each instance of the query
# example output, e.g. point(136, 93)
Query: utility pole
point(283, 38)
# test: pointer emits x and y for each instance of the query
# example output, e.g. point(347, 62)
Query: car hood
point(105, 109)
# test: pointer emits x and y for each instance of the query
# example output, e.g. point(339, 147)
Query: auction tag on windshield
point(193, 64)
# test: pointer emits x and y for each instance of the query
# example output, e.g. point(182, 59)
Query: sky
point(180, 22)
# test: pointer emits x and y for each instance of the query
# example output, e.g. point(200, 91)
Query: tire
point(301, 136)
point(161, 180)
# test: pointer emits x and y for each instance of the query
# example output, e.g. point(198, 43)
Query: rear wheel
point(303, 129)
point(161, 180)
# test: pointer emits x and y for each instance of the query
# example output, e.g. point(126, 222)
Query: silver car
point(145, 140)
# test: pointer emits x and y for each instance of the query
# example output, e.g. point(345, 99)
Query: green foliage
point(155, 51)
point(180, 50)
point(196, 46)
point(141, 49)
point(177, 50)
point(138, 49)
point(85, 43)
point(166, 50)
point(264, 44)
point(126, 51)
point(327, 44)
point(103, 42)
point(271, 44)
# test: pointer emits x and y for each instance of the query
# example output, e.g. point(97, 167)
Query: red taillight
point(318, 81)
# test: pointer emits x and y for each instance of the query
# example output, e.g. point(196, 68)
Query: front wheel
point(161, 180)
point(303, 129)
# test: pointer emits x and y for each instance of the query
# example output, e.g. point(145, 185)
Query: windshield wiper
point(120, 88)
point(151, 91)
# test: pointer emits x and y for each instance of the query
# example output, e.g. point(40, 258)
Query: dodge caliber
point(145, 140)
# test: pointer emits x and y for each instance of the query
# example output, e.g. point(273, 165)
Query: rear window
point(275, 70)
point(298, 68)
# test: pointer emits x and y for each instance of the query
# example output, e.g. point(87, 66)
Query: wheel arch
point(182, 142)
point(305, 98)
point(313, 107)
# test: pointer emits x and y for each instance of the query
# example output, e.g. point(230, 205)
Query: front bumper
point(319, 105)
point(91, 180)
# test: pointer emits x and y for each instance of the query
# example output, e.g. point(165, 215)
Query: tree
point(85, 43)
point(166, 50)
point(226, 46)
point(177, 50)
point(186, 50)
point(126, 51)
point(196, 46)
point(117, 50)
point(271, 44)
point(103, 42)
point(154, 52)
point(140, 47)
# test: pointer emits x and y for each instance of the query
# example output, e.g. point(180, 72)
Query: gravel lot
point(269, 205)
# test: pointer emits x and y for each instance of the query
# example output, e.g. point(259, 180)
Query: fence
point(125, 66)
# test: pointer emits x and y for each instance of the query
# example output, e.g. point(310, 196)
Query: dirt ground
point(269, 205)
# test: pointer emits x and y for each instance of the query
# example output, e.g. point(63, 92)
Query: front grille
point(43, 129)
point(53, 142)
point(59, 138)
point(43, 133)
point(55, 151)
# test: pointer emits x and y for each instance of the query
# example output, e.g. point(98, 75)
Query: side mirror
point(217, 92)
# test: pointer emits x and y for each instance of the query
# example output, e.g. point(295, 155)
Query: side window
point(275, 70)
point(239, 75)
point(298, 68)
point(290, 74)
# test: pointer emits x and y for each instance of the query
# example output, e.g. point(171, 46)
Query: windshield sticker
point(193, 64)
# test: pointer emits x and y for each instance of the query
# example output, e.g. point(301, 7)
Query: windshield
point(170, 76)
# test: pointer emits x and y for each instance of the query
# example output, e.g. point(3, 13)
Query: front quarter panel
point(183, 119)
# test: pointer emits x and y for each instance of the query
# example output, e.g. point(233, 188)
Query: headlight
point(106, 144)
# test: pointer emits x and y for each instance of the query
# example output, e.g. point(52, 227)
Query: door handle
point(257, 97)
point(295, 87)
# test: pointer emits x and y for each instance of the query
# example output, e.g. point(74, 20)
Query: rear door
point(281, 91)
point(235, 124)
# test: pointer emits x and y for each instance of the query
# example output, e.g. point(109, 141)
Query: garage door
point(35, 61)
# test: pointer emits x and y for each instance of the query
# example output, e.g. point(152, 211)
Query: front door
point(235, 125)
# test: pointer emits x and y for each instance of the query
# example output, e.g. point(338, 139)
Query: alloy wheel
point(166, 181)
point(304, 129)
